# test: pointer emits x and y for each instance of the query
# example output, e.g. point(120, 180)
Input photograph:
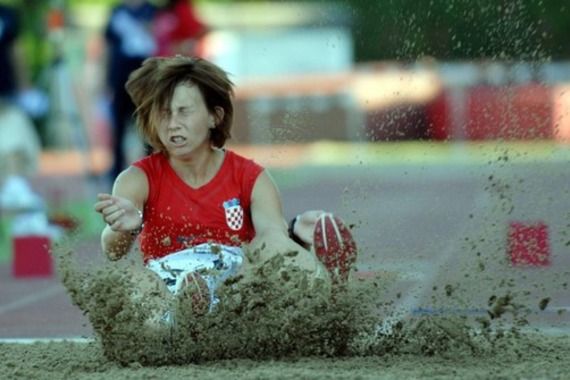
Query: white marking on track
point(45, 340)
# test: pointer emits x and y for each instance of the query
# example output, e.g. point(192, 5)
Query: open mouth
point(177, 140)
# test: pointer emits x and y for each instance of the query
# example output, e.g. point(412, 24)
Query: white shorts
point(215, 263)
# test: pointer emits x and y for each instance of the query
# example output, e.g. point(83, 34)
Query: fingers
point(105, 200)
point(111, 211)
point(112, 217)
point(100, 206)
point(104, 196)
point(117, 212)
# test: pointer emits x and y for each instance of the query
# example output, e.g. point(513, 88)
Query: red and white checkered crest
point(234, 214)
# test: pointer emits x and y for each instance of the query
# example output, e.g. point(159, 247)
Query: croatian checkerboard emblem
point(234, 214)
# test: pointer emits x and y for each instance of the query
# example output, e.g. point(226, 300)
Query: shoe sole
point(334, 246)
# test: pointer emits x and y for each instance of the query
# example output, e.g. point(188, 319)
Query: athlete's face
point(184, 126)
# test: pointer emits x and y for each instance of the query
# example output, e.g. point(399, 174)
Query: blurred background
point(439, 129)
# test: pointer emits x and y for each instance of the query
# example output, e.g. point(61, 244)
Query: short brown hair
point(151, 88)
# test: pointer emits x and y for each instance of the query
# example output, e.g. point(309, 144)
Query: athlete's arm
point(271, 237)
point(121, 211)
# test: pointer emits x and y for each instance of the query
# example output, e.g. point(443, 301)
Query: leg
point(148, 287)
point(118, 130)
point(121, 112)
point(115, 294)
point(194, 294)
point(149, 292)
point(191, 279)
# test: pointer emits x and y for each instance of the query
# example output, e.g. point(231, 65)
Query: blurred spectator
point(9, 28)
point(19, 143)
point(178, 30)
point(129, 40)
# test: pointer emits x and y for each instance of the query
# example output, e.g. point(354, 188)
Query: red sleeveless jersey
point(177, 216)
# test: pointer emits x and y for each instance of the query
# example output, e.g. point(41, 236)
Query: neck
point(199, 167)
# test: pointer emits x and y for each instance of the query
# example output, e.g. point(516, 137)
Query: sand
point(532, 357)
point(280, 325)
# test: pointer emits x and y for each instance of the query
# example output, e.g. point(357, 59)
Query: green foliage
point(532, 30)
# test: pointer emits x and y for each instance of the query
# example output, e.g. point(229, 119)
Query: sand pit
point(295, 330)
point(530, 356)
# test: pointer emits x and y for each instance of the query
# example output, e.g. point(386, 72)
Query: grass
point(5, 241)
point(438, 153)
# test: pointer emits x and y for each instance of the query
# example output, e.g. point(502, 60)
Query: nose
point(172, 122)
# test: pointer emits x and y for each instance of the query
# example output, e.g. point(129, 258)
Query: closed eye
point(184, 110)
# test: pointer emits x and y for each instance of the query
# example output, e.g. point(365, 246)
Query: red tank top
point(177, 216)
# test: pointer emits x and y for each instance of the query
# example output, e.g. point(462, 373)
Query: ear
point(219, 115)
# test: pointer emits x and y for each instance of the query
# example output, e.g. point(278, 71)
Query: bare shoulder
point(132, 183)
point(264, 184)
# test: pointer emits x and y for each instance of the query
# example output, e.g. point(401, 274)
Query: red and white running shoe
point(334, 246)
